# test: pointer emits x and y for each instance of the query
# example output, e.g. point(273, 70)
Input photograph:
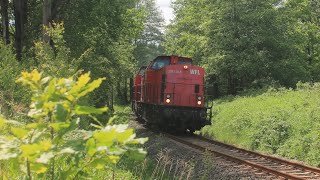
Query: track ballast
point(277, 167)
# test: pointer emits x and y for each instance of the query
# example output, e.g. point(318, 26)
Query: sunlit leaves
point(67, 151)
point(53, 134)
point(114, 140)
point(9, 148)
point(113, 159)
point(2, 121)
point(98, 163)
point(104, 138)
point(90, 87)
point(91, 147)
point(19, 132)
point(30, 79)
point(38, 168)
point(45, 157)
point(29, 150)
point(59, 126)
point(82, 81)
point(58, 95)
point(89, 110)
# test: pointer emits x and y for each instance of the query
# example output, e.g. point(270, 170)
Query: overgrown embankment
point(282, 122)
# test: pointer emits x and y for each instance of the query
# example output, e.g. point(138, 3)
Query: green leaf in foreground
point(80, 110)
point(53, 135)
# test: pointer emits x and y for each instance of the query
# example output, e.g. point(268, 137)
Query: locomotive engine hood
point(184, 85)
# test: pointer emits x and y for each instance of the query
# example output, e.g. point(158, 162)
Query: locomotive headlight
point(185, 67)
point(168, 96)
point(199, 102)
point(199, 98)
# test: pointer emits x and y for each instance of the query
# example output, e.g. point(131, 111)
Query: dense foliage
point(248, 44)
point(11, 95)
point(284, 122)
point(109, 38)
point(64, 39)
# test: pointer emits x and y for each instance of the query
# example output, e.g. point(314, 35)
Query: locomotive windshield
point(160, 63)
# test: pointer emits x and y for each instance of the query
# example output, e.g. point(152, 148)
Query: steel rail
point(240, 160)
point(302, 166)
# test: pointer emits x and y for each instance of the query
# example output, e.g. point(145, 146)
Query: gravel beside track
point(184, 162)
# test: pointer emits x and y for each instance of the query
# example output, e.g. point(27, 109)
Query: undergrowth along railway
point(276, 167)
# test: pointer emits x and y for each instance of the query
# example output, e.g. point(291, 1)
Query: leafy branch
point(56, 113)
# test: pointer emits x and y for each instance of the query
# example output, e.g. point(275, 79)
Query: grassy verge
point(283, 122)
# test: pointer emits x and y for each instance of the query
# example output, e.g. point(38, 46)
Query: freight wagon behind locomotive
point(169, 93)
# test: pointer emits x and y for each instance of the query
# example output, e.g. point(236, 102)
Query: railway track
point(280, 168)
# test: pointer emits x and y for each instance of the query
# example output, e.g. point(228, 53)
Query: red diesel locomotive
point(169, 93)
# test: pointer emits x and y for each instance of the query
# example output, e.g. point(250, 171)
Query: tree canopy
point(248, 44)
point(109, 38)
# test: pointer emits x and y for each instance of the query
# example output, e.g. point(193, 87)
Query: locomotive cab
point(137, 84)
point(163, 61)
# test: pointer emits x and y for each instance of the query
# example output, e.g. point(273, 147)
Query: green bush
point(281, 121)
point(55, 61)
point(12, 97)
point(52, 145)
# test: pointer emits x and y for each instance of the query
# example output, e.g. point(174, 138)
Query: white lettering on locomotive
point(174, 71)
point(195, 71)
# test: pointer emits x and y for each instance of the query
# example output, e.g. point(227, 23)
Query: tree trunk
point(125, 91)
point(56, 7)
point(111, 100)
point(231, 84)
point(20, 13)
point(46, 18)
point(5, 21)
point(118, 89)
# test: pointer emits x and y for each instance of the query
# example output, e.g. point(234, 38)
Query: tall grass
point(163, 166)
point(284, 122)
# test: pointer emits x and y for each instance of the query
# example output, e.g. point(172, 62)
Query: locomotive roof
point(171, 57)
